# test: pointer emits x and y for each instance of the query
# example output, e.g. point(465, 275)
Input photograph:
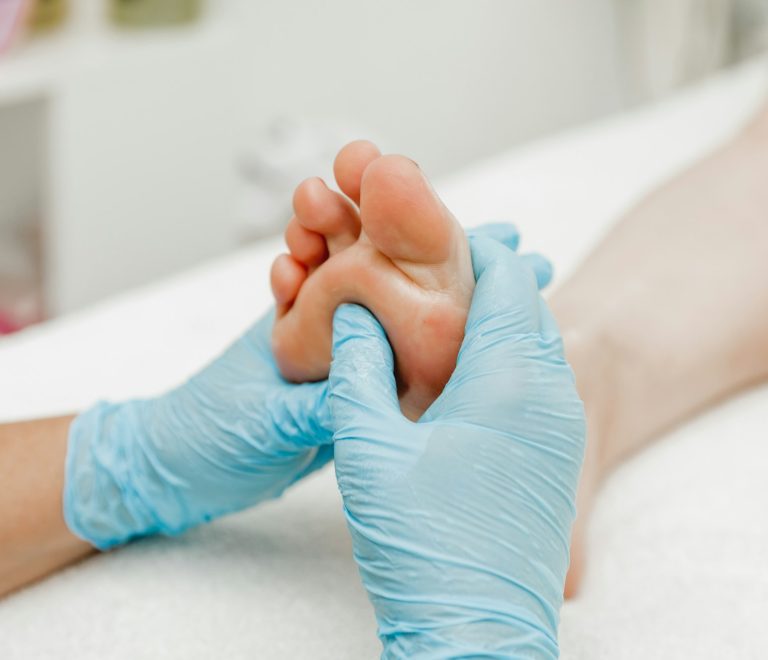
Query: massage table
point(678, 561)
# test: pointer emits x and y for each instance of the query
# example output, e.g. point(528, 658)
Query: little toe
point(287, 276)
point(350, 164)
point(321, 210)
point(305, 245)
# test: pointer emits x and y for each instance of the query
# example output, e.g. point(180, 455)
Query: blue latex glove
point(460, 523)
point(234, 435)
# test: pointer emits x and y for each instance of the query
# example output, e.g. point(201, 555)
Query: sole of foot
point(388, 243)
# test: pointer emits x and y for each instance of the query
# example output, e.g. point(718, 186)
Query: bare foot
point(397, 250)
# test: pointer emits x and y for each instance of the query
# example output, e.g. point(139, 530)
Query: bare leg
point(670, 312)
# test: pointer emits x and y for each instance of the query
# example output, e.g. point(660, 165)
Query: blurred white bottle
point(288, 151)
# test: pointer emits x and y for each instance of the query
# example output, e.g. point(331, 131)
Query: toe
point(403, 216)
point(305, 245)
point(287, 276)
point(350, 164)
point(326, 212)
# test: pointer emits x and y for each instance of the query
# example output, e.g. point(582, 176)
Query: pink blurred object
point(26, 312)
point(8, 325)
point(21, 304)
point(12, 13)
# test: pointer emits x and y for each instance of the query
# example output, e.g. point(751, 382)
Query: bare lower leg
point(670, 312)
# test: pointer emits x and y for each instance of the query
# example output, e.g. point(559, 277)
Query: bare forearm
point(34, 540)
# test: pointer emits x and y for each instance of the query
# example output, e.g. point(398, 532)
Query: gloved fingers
point(503, 232)
point(506, 296)
point(550, 331)
point(300, 417)
point(257, 343)
point(507, 234)
point(541, 267)
point(362, 378)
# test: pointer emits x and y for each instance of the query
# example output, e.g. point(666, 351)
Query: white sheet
point(679, 535)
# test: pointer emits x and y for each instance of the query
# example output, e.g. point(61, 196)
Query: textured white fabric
point(679, 535)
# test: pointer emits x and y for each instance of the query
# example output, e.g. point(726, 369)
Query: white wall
point(443, 80)
point(144, 132)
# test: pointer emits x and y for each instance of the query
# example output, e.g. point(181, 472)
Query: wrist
point(105, 492)
point(494, 598)
point(470, 633)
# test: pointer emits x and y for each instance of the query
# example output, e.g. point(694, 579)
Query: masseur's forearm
point(34, 540)
point(670, 312)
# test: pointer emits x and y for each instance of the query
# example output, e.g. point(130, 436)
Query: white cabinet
point(135, 154)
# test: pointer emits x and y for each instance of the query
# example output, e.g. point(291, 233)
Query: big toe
point(403, 216)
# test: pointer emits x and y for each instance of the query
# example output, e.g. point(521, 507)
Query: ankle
point(756, 129)
point(595, 381)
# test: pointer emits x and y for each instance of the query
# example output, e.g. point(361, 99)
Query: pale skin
point(688, 329)
point(34, 539)
point(395, 249)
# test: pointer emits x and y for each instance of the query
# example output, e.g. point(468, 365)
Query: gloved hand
point(234, 435)
point(460, 522)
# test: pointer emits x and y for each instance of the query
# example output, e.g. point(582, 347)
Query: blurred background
point(139, 137)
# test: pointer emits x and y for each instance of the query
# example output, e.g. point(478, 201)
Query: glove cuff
point(104, 455)
point(508, 632)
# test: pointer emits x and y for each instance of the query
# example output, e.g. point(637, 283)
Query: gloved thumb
point(506, 296)
point(361, 382)
point(507, 234)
